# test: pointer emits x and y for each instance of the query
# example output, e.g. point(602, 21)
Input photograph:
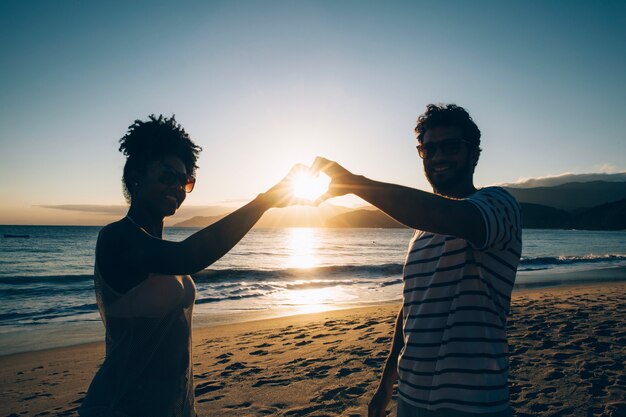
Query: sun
point(308, 187)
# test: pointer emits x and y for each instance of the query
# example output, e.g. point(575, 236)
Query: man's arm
point(382, 397)
point(411, 207)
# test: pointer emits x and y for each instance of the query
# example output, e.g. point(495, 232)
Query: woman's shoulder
point(113, 234)
point(116, 228)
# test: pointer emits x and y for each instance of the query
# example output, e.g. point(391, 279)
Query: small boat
point(7, 235)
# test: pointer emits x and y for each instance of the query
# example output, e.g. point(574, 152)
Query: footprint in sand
point(230, 369)
point(374, 362)
point(552, 375)
point(359, 351)
point(235, 366)
point(208, 387)
point(305, 411)
point(224, 358)
point(365, 325)
point(319, 372)
point(205, 400)
point(275, 381)
point(347, 371)
point(246, 404)
point(341, 393)
point(272, 410)
point(30, 397)
point(252, 371)
point(368, 335)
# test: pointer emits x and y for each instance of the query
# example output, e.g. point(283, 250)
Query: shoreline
point(566, 358)
point(63, 335)
point(271, 319)
point(298, 317)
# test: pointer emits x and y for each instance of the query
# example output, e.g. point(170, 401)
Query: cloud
point(608, 169)
point(554, 180)
point(118, 210)
point(122, 209)
point(233, 202)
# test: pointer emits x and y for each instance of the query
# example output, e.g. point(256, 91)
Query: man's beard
point(446, 185)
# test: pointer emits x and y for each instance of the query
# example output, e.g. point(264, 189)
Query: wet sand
point(568, 349)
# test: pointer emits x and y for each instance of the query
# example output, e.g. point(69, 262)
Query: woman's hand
point(281, 194)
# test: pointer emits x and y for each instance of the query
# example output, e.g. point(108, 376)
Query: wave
point(208, 300)
point(357, 271)
point(46, 279)
point(236, 275)
point(49, 313)
point(544, 262)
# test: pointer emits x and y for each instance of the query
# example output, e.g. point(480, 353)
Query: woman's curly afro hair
point(153, 140)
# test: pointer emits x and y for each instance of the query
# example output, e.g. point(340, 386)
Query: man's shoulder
point(494, 192)
point(493, 189)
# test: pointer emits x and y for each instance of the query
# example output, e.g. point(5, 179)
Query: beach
point(567, 344)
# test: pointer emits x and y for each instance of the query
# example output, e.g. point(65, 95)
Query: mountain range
point(594, 205)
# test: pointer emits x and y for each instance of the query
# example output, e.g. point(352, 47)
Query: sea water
point(46, 281)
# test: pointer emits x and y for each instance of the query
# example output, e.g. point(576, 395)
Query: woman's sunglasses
point(446, 147)
point(169, 176)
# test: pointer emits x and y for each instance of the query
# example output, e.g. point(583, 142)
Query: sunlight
point(302, 246)
point(312, 300)
point(308, 187)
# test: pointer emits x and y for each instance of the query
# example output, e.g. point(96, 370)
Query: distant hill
point(596, 205)
point(301, 216)
point(610, 216)
point(364, 218)
point(537, 216)
point(200, 221)
point(572, 196)
point(296, 216)
point(553, 181)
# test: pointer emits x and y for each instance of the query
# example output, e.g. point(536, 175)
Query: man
point(449, 352)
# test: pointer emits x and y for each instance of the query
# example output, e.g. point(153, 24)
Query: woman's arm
point(146, 253)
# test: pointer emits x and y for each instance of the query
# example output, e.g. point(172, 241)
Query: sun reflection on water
point(311, 300)
point(304, 252)
point(303, 244)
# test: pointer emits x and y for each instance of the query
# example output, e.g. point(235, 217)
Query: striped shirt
point(456, 302)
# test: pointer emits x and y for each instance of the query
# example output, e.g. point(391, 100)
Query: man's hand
point(342, 181)
point(380, 400)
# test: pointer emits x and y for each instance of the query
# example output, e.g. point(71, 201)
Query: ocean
point(46, 283)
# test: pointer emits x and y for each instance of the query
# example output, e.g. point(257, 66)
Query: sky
point(262, 85)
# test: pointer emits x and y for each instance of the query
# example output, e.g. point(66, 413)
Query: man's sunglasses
point(446, 147)
point(169, 176)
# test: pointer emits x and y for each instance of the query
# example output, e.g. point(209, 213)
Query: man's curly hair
point(153, 140)
point(440, 115)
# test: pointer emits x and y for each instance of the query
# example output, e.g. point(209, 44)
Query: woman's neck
point(153, 224)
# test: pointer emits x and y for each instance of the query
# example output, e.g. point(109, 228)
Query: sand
point(568, 349)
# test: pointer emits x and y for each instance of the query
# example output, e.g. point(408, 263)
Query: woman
point(144, 292)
